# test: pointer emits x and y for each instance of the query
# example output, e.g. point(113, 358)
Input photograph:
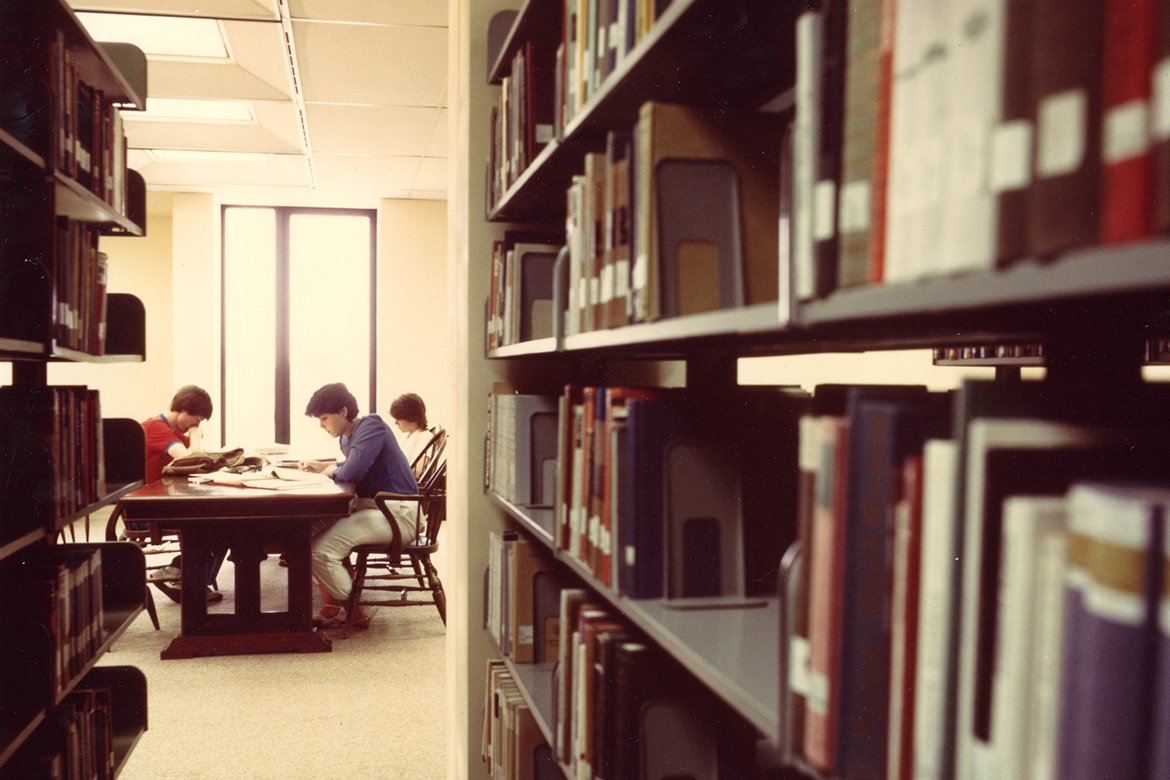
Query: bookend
point(700, 241)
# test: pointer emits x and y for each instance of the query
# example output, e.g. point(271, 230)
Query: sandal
point(330, 615)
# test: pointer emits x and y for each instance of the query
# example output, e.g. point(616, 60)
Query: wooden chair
point(431, 511)
point(435, 446)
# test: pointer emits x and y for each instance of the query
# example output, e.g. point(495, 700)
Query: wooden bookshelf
point(40, 198)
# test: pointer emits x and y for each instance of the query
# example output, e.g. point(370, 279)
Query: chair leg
point(150, 608)
point(418, 570)
point(436, 588)
point(355, 591)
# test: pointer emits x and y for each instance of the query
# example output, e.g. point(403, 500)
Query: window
point(299, 312)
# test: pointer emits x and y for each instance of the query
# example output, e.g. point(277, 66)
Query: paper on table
point(268, 478)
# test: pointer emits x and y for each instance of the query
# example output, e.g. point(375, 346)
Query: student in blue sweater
point(374, 463)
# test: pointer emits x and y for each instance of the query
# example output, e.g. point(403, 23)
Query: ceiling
point(353, 107)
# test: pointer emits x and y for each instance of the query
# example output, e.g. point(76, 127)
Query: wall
point(413, 327)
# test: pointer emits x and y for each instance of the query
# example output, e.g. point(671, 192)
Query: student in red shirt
point(170, 435)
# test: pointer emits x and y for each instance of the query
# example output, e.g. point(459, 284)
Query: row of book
point(520, 306)
point(76, 744)
point(942, 138)
point(676, 217)
point(623, 709)
point(513, 746)
point(49, 108)
point(54, 464)
point(55, 596)
point(80, 274)
point(979, 584)
point(522, 123)
point(660, 493)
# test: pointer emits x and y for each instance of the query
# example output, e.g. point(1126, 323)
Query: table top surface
point(180, 495)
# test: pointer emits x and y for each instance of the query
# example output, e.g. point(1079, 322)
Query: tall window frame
point(283, 217)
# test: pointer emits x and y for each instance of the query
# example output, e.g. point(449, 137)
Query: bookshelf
point(64, 605)
point(1090, 312)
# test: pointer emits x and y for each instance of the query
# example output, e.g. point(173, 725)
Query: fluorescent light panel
point(196, 156)
point(186, 110)
point(160, 36)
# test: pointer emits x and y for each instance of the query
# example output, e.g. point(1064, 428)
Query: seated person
point(172, 435)
point(374, 463)
point(410, 415)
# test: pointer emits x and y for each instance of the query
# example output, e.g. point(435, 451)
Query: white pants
point(364, 526)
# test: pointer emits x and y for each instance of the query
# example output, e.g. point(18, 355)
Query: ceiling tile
point(432, 174)
point(370, 65)
point(215, 9)
point(375, 174)
point(276, 131)
point(438, 143)
point(432, 13)
point(401, 131)
point(280, 170)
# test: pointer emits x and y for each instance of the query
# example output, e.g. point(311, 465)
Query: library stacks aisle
point(665, 573)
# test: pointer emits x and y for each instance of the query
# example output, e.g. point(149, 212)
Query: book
point(937, 616)
point(1065, 99)
point(836, 22)
point(1111, 634)
point(805, 150)
point(525, 561)
point(904, 594)
point(1030, 646)
point(1127, 165)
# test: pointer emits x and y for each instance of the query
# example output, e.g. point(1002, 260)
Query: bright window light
point(195, 156)
point(184, 110)
point(160, 36)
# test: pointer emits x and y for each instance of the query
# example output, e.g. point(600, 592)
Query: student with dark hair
point(374, 463)
point(170, 435)
point(410, 415)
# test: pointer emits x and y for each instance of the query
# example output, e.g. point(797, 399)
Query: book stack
point(522, 123)
point(938, 139)
point(55, 465)
point(60, 595)
point(1047, 516)
point(520, 306)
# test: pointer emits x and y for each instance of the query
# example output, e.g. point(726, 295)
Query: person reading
point(374, 463)
point(171, 435)
point(410, 416)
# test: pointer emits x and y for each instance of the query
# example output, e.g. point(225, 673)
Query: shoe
point(213, 595)
point(329, 616)
point(284, 561)
point(165, 574)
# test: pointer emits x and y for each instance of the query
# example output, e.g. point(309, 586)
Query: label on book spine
point(1011, 156)
point(1062, 133)
point(1161, 118)
point(1126, 131)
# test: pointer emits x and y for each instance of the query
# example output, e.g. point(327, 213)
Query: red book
point(1127, 172)
point(904, 620)
point(825, 596)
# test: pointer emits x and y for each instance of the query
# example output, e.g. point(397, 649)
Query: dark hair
point(331, 399)
point(409, 407)
point(192, 400)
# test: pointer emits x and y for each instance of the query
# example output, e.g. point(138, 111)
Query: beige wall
point(412, 306)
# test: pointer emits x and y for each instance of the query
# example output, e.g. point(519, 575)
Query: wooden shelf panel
point(19, 148)
point(111, 497)
point(1093, 272)
point(78, 203)
point(535, 347)
point(734, 652)
point(13, 736)
point(20, 542)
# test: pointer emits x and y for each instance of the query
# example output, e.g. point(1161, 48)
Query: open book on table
point(267, 478)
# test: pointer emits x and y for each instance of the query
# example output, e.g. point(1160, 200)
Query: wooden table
point(246, 519)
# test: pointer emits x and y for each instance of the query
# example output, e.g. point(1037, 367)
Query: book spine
point(1127, 173)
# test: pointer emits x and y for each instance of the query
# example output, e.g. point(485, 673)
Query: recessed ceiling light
point(160, 36)
point(186, 110)
point(197, 156)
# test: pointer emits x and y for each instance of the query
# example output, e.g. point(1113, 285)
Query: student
point(171, 435)
point(374, 463)
point(410, 415)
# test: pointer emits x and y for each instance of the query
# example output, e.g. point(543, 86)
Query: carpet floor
point(373, 707)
